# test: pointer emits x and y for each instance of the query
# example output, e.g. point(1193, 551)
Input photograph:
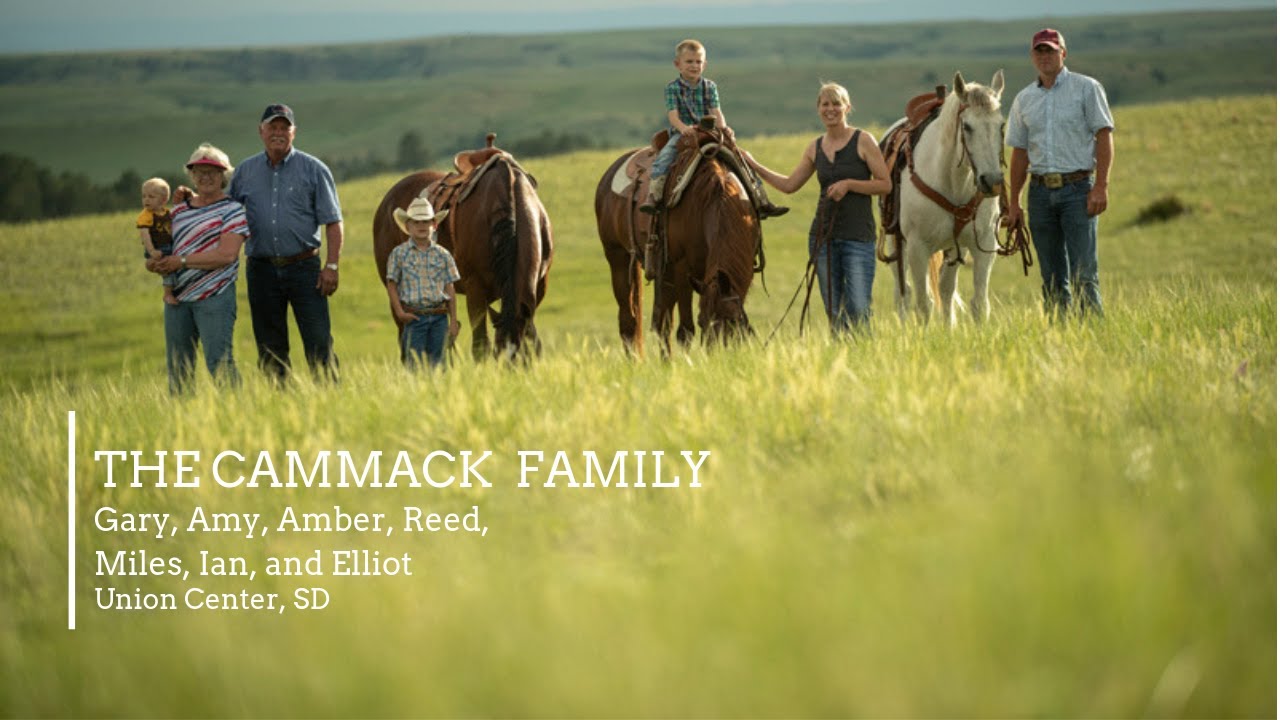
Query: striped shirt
point(1057, 125)
point(692, 101)
point(421, 275)
point(197, 229)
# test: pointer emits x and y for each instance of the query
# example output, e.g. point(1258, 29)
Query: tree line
point(30, 192)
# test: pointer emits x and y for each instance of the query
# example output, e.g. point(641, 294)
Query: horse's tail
point(518, 257)
point(935, 279)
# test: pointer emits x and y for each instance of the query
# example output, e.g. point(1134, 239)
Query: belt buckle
point(1053, 181)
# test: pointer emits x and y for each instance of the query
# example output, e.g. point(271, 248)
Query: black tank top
point(854, 220)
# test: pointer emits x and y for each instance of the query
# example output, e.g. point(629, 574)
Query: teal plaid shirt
point(692, 101)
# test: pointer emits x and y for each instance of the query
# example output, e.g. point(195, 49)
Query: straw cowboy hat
point(419, 209)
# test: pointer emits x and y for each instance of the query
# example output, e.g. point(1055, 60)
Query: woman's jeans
point(845, 281)
point(210, 323)
point(1066, 241)
point(425, 337)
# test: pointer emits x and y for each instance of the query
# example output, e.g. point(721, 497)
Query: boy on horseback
point(690, 97)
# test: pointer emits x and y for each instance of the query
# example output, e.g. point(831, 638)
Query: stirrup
point(651, 262)
point(651, 207)
point(769, 210)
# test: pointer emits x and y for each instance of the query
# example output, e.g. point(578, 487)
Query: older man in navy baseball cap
point(277, 111)
point(289, 196)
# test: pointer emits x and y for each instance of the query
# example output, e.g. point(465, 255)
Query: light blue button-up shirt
point(1057, 125)
point(287, 204)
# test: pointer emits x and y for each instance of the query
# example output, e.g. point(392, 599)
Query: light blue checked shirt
point(421, 275)
point(1057, 126)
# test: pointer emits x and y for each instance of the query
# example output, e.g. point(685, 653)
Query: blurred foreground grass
point(1020, 519)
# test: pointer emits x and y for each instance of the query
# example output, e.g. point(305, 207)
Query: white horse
point(949, 198)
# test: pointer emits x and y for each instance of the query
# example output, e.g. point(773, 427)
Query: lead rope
point(826, 223)
point(1017, 237)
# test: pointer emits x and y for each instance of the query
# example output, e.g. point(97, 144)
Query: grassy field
point(1018, 519)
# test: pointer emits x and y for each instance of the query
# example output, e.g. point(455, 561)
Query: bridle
point(963, 215)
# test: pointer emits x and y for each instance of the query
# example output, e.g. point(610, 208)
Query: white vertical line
point(71, 519)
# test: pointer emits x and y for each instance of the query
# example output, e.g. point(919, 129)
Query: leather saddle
point(896, 147)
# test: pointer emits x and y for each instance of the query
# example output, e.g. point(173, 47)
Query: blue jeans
point(1066, 241)
point(166, 250)
point(425, 336)
point(272, 290)
point(851, 272)
point(209, 322)
point(666, 156)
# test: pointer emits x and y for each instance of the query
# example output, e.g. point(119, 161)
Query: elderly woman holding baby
point(209, 229)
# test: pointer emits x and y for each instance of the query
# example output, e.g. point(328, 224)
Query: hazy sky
point(76, 25)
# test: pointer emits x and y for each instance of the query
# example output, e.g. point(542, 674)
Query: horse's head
point(981, 130)
point(722, 315)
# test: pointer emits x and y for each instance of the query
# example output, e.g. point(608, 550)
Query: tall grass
point(1020, 518)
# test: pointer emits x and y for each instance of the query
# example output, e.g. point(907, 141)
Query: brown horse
point(712, 238)
point(500, 236)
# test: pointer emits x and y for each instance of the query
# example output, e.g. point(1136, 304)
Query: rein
point(1017, 237)
point(826, 229)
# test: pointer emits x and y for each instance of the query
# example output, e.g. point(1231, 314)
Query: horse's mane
point(977, 95)
point(731, 250)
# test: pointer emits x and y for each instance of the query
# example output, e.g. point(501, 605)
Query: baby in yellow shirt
point(155, 227)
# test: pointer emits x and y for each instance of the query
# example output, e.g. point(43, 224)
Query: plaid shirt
point(692, 101)
point(421, 275)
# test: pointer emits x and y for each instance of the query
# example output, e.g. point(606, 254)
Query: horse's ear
point(997, 82)
point(959, 84)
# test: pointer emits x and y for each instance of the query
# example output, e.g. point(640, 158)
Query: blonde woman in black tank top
point(850, 170)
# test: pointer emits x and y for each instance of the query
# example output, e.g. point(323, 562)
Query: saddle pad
point(626, 174)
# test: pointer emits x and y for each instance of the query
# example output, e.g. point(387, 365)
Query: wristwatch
point(331, 266)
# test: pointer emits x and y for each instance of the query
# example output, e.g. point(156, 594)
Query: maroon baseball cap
point(1050, 37)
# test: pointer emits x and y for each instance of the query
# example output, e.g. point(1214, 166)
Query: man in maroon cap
point(1060, 131)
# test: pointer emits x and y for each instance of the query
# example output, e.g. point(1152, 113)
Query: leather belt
point(437, 309)
point(1053, 181)
point(281, 261)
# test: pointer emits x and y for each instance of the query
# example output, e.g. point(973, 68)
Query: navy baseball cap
point(274, 111)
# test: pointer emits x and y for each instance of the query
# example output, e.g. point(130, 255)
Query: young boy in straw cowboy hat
point(420, 278)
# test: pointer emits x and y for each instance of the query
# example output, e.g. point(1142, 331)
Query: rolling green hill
point(105, 113)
